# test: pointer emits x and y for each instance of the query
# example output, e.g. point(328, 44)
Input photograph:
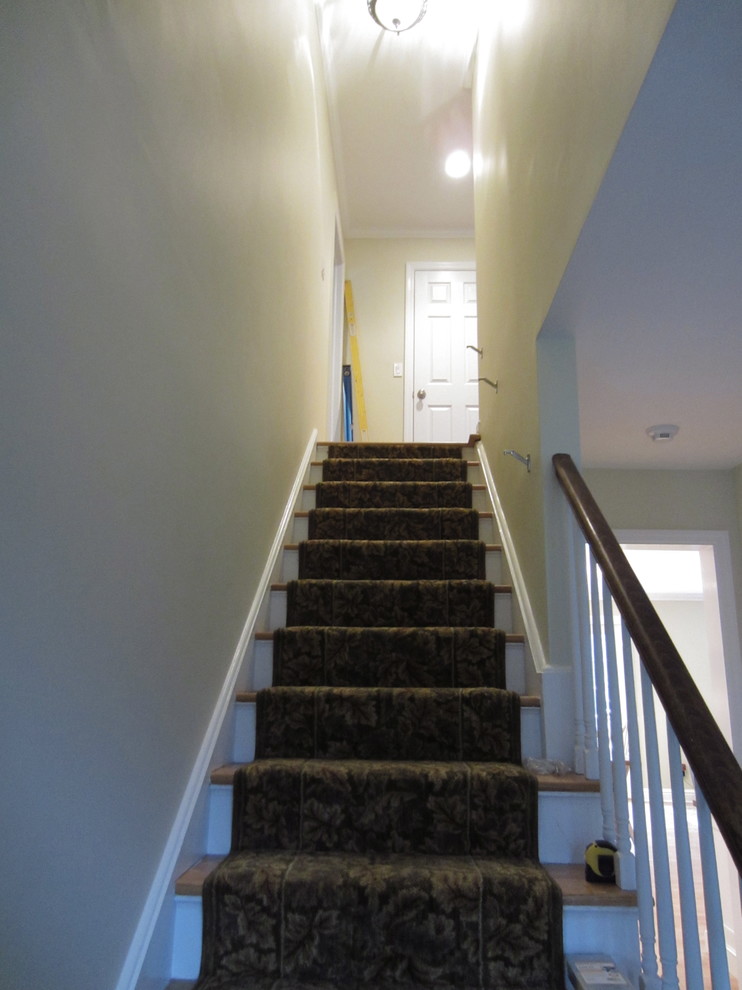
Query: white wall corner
point(558, 713)
point(559, 428)
point(137, 971)
point(559, 423)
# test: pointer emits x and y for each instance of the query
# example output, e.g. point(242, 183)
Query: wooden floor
point(700, 907)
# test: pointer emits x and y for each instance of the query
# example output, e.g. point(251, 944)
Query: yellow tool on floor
point(359, 401)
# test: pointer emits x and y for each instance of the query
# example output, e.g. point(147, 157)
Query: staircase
point(380, 828)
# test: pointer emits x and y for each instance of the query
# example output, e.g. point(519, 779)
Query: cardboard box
point(595, 972)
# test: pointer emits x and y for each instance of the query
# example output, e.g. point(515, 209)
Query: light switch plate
point(398, 369)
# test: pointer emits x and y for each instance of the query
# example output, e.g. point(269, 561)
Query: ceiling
point(653, 292)
point(398, 105)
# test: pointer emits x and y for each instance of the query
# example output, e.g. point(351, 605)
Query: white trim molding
point(162, 885)
point(516, 574)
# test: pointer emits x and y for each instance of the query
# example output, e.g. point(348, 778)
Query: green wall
point(169, 211)
point(551, 94)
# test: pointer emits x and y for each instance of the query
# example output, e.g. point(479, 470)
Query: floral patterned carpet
point(386, 835)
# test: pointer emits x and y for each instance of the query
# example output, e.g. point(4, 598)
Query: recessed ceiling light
point(458, 164)
point(663, 432)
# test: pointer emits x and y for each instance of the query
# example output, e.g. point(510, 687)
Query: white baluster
point(604, 749)
point(592, 769)
point(712, 900)
point(663, 890)
point(625, 866)
point(649, 974)
point(688, 913)
point(578, 590)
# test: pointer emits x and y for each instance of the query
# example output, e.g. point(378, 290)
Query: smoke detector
point(662, 433)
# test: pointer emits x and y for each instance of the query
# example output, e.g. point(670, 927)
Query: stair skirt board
point(153, 929)
point(386, 834)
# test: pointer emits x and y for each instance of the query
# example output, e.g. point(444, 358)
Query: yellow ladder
point(359, 401)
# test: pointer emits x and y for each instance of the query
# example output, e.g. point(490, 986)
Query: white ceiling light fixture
point(458, 164)
point(662, 433)
point(397, 15)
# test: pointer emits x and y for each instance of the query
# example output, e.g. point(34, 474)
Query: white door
point(445, 386)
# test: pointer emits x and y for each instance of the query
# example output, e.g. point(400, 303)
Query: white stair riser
point(586, 930)
point(515, 666)
point(568, 822)
point(612, 931)
point(187, 934)
point(562, 810)
point(492, 563)
point(531, 740)
point(277, 611)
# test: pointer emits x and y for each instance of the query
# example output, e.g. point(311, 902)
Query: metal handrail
point(714, 765)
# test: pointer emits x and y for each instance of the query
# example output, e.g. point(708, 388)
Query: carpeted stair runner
point(386, 835)
point(389, 657)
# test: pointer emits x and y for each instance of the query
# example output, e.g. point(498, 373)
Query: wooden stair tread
point(573, 782)
point(577, 891)
point(570, 877)
point(190, 883)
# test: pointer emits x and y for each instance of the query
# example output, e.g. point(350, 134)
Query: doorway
point(688, 578)
point(441, 384)
point(336, 343)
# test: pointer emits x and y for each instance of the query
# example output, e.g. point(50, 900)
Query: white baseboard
point(516, 574)
point(162, 885)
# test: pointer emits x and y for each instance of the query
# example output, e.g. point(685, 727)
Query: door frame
point(336, 340)
point(718, 584)
point(409, 330)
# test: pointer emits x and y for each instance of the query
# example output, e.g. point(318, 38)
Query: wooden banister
point(714, 765)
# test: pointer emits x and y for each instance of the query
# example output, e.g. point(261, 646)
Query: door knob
point(421, 393)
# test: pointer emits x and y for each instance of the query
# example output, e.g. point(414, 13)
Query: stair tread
point(515, 638)
point(453, 445)
point(489, 547)
point(320, 463)
point(526, 700)
point(573, 782)
point(224, 776)
point(576, 891)
point(304, 513)
point(313, 487)
point(500, 589)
